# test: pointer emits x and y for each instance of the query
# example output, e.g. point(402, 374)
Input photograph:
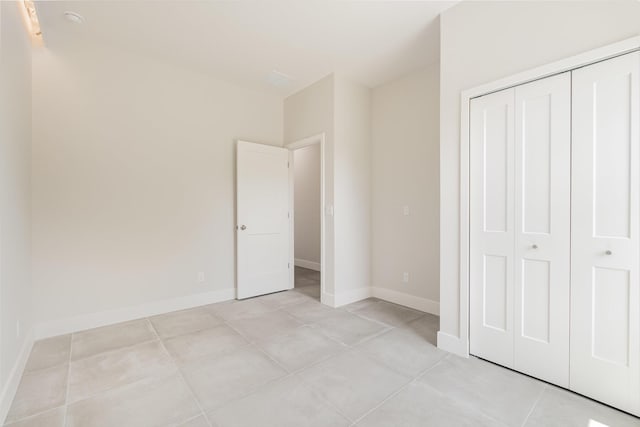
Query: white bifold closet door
point(605, 298)
point(519, 229)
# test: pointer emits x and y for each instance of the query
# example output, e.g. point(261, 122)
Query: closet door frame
point(455, 337)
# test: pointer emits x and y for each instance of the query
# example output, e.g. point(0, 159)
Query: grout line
point(152, 330)
point(398, 391)
point(263, 385)
point(319, 395)
point(181, 375)
point(34, 415)
point(66, 397)
point(535, 404)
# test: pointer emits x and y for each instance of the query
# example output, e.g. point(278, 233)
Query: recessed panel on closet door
point(491, 227)
point(605, 298)
point(542, 228)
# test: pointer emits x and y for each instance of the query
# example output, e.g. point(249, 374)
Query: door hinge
point(288, 165)
point(288, 265)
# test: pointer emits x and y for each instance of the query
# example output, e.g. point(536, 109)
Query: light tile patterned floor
point(283, 360)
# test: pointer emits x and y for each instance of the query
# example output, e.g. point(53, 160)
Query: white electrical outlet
point(405, 277)
point(18, 329)
point(405, 210)
point(201, 277)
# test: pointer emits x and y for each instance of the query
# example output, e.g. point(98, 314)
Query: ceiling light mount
point(74, 17)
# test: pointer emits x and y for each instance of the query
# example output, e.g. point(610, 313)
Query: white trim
point(306, 142)
point(407, 300)
point(311, 265)
point(325, 297)
point(351, 296)
point(13, 381)
point(564, 65)
point(453, 344)
point(328, 299)
point(110, 317)
point(557, 67)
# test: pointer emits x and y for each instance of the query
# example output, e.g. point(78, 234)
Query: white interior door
point(263, 241)
point(605, 299)
point(492, 227)
point(543, 229)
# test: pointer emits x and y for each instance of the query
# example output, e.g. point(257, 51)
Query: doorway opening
point(307, 225)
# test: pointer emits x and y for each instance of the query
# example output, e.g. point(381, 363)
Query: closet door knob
point(608, 252)
point(534, 246)
point(243, 227)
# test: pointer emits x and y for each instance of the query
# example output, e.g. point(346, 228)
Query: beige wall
point(405, 163)
point(340, 109)
point(352, 186)
point(307, 206)
point(307, 113)
point(484, 41)
point(15, 199)
point(133, 178)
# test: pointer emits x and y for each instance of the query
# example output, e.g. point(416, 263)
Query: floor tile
point(233, 310)
point(233, 375)
point(561, 408)
point(302, 282)
point(419, 405)
point(39, 391)
point(105, 371)
point(266, 325)
point(285, 299)
point(361, 304)
point(200, 421)
point(389, 313)
point(184, 321)
point(349, 329)
point(94, 341)
point(302, 347)
point(283, 403)
point(312, 291)
point(49, 352)
point(311, 311)
point(403, 351)
point(207, 343)
point(426, 326)
point(497, 392)
point(52, 418)
point(353, 383)
point(160, 402)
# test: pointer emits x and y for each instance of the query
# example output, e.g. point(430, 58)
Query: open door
point(262, 177)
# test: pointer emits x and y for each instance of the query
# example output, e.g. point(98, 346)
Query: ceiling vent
point(278, 79)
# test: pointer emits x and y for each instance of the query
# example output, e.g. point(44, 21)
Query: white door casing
point(605, 298)
point(492, 226)
point(263, 232)
point(542, 228)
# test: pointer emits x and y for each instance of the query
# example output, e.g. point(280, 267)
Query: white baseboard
point(351, 296)
point(110, 317)
point(344, 298)
point(13, 381)
point(411, 301)
point(328, 299)
point(307, 264)
point(453, 344)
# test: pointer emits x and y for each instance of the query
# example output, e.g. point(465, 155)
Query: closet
point(554, 222)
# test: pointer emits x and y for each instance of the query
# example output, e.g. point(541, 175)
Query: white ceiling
point(242, 41)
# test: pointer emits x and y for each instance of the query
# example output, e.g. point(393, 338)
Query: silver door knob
point(534, 246)
point(243, 227)
point(608, 252)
